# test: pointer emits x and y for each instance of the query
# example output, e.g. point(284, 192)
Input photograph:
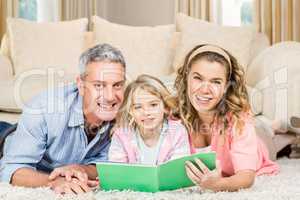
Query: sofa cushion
point(236, 40)
point(260, 42)
point(21, 89)
point(89, 40)
point(146, 49)
point(6, 71)
point(49, 44)
point(5, 49)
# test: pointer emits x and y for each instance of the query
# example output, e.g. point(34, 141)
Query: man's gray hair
point(99, 53)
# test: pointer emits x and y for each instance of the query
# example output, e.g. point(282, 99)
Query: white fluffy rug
point(284, 186)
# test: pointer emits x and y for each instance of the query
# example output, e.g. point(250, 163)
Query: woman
point(214, 106)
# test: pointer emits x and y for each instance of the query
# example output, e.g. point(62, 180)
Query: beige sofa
point(36, 56)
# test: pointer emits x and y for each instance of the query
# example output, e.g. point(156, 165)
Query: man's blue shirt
point(51, 134)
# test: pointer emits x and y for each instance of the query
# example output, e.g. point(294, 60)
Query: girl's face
point(147, 110)
point(206, 85)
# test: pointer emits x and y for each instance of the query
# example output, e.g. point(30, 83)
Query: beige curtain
point(201, 9)
point(8, 8)
point(278, 19)
point(74, 9)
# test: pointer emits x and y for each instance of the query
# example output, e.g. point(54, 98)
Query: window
point(237, 12)
point(39, 10)
point(247, 12)
point(28, 9)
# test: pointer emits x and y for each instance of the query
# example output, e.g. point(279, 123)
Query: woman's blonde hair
point(234, 101)
point(150, 84)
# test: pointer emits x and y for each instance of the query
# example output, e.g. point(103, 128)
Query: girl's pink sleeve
point(182, 146)
point(243, 151)
point(117, 151)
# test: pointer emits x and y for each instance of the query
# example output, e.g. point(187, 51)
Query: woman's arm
point(213, 180)
point(242, 179)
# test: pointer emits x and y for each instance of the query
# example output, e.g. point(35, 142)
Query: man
point(69, 141)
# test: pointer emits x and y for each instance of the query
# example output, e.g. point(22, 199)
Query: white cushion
point(5, 49)
point(7, 102)
point(20, 90)
point(147, 50)
point(236, 40)
point(6, 69)
point(49, 44)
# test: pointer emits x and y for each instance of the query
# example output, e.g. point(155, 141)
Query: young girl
point(214, 105)
point(144, 133)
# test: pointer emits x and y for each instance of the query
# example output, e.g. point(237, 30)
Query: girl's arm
point(182, 146)
point(117, 151)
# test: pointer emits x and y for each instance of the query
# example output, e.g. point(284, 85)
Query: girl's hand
point(202, 176)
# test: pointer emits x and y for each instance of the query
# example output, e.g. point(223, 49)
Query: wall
point(140, 12)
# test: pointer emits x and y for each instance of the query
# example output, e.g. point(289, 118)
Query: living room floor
point(283, 186)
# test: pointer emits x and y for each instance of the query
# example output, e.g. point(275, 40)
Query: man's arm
point(22, 150)
point(85, 171)
point(37, 179)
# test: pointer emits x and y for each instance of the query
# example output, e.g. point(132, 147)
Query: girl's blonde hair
point(150, 84)
point(235, 99)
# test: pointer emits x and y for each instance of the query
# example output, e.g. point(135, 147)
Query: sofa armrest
point(6, 70)
point(266, 134)
point(274, 142)
point(255, 99)
point(271, 59)
point(276, 72)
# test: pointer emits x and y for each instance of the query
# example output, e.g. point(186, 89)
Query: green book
point(146, 178)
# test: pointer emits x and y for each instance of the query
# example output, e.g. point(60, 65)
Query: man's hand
point(72, 173)
point(69, 172)
point(61, 186)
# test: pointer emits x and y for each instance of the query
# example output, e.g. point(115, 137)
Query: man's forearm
point(29, 178)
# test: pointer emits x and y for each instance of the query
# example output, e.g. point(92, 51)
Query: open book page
point(167, 176)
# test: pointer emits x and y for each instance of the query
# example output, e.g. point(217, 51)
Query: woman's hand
point(213, 180)
point(202, 176)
